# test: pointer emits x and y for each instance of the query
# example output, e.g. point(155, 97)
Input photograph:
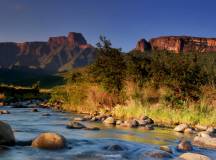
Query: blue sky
point(124, 22)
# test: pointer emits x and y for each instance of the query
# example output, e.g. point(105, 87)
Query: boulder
point(180, 127)
point(75, 125)
point(204, 139)
point(6, 134)
point(109, 120)
point(184, 146)
point(193, 156)
point(50, 141)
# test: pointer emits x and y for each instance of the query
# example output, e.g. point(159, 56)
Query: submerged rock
point(6, 134)
point(92, 128)
point(51, 141)
point(46, 114)
point(35, 110)
point(166, 149)
point(158, 154)
point(185, 146)
point(75, 125)
point(114, 147)
point(180, 128)
point(193, 156)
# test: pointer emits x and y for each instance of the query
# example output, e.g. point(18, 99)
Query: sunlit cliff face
point(178, 44)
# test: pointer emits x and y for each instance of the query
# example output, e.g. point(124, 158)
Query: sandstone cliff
point(58, 54)
point(178, 44)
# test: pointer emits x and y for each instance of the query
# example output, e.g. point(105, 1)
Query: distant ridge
point(58, 54)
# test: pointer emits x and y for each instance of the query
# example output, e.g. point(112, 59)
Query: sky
point(124, 22)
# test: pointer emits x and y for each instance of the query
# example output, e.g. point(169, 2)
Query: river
point(86, 144)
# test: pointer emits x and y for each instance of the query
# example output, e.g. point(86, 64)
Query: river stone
point(180, 127)
point(144, 117)
point(118, 122)
point(6, 134)
point(51, 141)
point(166, 149)
point(142, 122)
point(193, 156)
point(75, 125)
point(205, 140)
point(201, 127)
point(134, 123)
point(158, 154)
point(109, 120)
point(4, 112)
point(184, 146)
point(211, 130)
point(149, 121)
point(189, 131)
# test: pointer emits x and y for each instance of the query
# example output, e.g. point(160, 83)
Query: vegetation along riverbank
point(170, 88)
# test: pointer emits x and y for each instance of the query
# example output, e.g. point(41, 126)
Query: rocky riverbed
point(72, 138)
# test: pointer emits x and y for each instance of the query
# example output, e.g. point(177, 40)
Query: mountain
point(58, 54)
point(177, 44)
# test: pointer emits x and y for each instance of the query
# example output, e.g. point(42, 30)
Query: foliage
point(109, 67)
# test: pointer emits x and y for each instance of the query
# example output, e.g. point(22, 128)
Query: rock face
point(178, 44)
point(58, 54)
point(143, 45)
point(6, 134)
point(49, 141)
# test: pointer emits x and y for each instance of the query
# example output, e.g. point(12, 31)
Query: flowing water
point(86, 144)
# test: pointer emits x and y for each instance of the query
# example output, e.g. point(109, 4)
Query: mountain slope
point(58, 54)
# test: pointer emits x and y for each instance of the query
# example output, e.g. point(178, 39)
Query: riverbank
point(110, 142)
point(89, 98)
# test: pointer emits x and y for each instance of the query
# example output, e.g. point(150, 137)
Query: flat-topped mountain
point(58, 54)
point(178, 44)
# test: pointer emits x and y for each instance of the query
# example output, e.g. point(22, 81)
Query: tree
point(109, 67)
